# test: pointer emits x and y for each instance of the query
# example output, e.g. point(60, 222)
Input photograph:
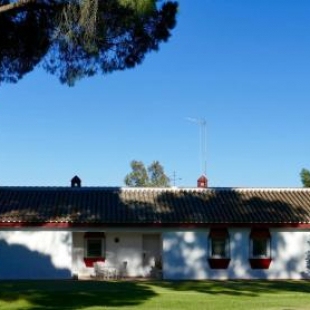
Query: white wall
point(30, 254)
point(128, 249)
point(292, 250)
point(185, 256)
point(78, 266)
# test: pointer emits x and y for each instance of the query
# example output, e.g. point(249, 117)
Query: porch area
point(116, 256)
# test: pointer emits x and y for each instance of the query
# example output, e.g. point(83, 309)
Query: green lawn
point(93, 295)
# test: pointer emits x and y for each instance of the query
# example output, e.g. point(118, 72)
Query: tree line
point(155, 176)
point(142, 176)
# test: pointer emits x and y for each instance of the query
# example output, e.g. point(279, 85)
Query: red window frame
point(89, 260)
point(219, 261)
point(263, 261)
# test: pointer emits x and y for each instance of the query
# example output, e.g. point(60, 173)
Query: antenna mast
point(175, 178)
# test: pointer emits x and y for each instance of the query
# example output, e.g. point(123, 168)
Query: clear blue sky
point(242, 65)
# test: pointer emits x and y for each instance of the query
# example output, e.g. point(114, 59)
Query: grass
point(213, 295)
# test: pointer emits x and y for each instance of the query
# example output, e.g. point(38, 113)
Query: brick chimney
point(76, 181)
point(202, 182)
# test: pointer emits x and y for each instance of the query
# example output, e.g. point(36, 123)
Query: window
point(219, 253)
point(94, 248)
point(260, 248)
point(218, 247)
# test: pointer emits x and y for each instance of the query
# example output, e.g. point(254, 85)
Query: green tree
point(138, 177)
point(157, 176)
point(305, 177)
point(152, 176)
point(73, 39)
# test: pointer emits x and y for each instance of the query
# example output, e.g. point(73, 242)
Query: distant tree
point(73, 39)
point(157, 176)
point(305, 177)
point(140, 176)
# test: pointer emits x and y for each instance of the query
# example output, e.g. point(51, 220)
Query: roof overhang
point(69, 225)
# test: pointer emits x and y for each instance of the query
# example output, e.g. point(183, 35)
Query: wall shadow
point(18, 262)
point(187, 256)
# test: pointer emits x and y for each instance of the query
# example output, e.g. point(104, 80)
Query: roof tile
point(109, 205)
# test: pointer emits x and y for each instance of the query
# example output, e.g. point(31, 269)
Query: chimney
point(76, 181)
point(202, 182)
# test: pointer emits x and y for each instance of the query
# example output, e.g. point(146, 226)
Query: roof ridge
point(59, 187)
point(159, 189)
point(269, 188)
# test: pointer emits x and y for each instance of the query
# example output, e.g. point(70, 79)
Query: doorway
point(152, 249)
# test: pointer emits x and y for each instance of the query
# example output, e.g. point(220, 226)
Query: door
point(152, 250)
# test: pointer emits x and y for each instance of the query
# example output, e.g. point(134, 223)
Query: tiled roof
point(107, 205)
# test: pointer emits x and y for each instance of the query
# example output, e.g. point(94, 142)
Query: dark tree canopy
point(152, 176)
point(73, 39)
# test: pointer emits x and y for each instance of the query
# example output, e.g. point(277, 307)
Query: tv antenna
point(201, 122)
point(175, 178)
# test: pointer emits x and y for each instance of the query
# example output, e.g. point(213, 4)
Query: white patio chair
point(122, 274)
point(100, 271)
point(104, 271)
point(110, 273)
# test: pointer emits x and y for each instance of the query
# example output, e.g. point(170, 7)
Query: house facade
point(168, 233)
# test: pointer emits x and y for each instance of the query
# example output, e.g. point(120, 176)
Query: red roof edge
point(67, 225)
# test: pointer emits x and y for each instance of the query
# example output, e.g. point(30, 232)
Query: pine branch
point(15, 5)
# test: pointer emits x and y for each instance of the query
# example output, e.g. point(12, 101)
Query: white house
point(172, 233)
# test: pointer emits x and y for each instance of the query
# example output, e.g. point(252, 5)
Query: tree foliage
point(152, 176)
point(138, 177)
point(73, 39)
point(157, 176)
point(305, 177)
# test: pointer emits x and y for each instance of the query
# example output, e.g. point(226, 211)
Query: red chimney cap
point(202, 181)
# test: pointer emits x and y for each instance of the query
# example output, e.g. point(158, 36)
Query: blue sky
point(242, 65)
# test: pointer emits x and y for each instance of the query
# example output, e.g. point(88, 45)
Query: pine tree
point(73, 39)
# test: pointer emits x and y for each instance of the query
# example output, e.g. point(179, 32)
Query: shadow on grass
point(86, 294)
point(252, 288)
point(75, 294)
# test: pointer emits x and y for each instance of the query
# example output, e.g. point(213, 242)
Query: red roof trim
point(152, 225)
